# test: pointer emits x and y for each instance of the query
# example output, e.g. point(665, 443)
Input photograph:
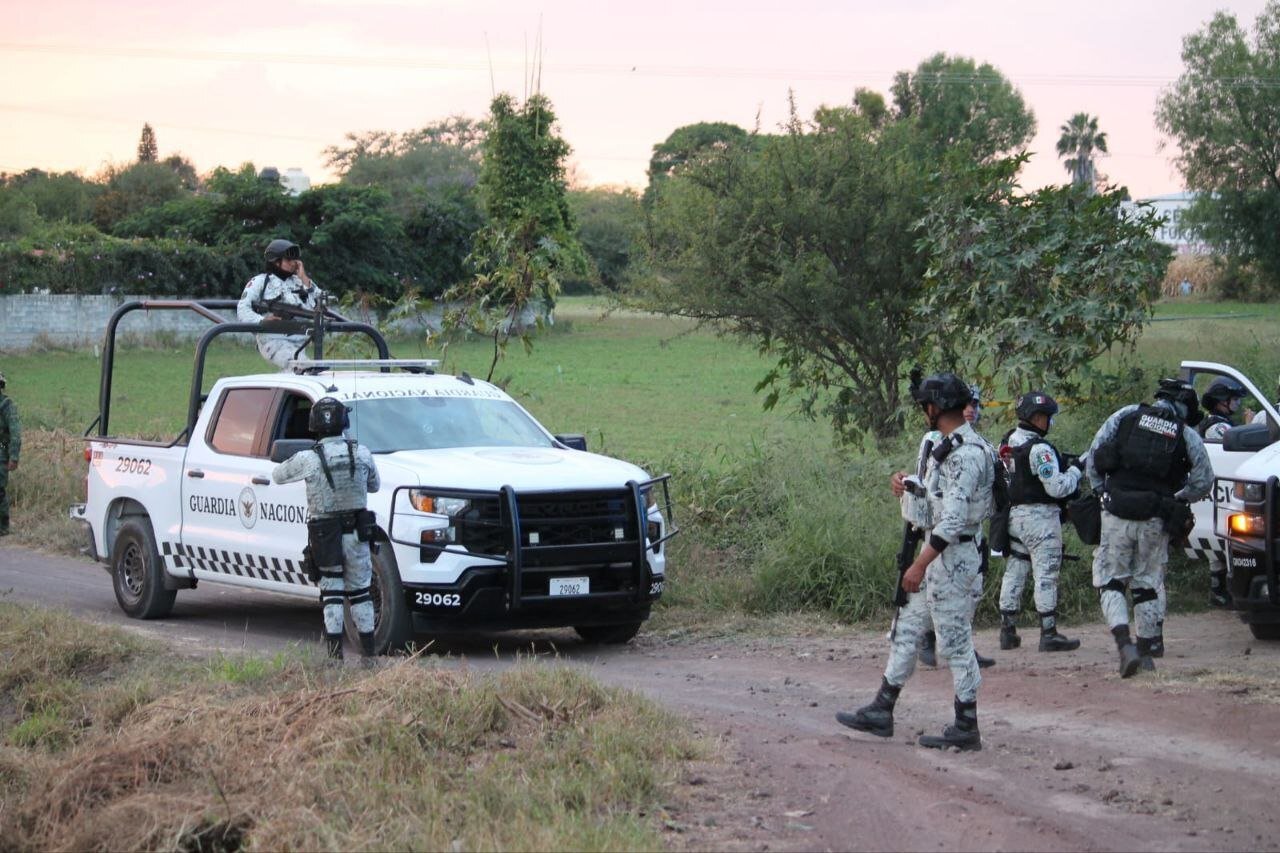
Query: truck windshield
point(429, 423)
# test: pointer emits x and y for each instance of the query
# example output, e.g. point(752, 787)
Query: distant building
point(1172, 233)
point(294, 180)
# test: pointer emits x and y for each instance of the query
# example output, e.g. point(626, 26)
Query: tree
point(58, 196)
point(147, 151)
point(957, 101)
point(686, 143)
point(1079, 138)
point(1224, 116)
point(528, 242)
point(610, 228)
point(132, 189)
point(806, 249)
point(1044, 282)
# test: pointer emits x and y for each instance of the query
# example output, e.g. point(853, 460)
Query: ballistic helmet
point(945, 390)
point(1181, 395)
point(328, 417)
point(1223, 388)
point(278, 250)
point(1035, 403)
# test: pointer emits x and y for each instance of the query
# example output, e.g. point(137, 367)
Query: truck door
point(237, 524)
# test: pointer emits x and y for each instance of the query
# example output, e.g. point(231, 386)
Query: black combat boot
point(928, 652)
point(963, 734)
point(983, 661)
point(1157, 642)
point(334, 644)
point(1145, 662)
point(876, 718)
point(1130, 659)
point(1219, 594)
point(1009, 638)
point(1050, 639)
point(367, 654)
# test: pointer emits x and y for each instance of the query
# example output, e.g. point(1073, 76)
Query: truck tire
point(137, 574)
point(608, 635)
point(1265, 630)
point(392, 624)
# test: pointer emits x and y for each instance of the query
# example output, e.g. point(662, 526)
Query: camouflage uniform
point(1035, 530)
point(348, 492)
point(959, 491)
point(1133, 553)
point(10, 448)
point(268, 287)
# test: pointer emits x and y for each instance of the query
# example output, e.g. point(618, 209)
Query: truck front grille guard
point(1269, 536)
point(518, 553)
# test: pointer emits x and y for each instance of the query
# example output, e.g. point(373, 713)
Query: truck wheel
point(392, 624)
point(608, 635)
point(137, 573)
point(1265, 630)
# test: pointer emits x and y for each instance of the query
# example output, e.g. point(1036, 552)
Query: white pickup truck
point(1232, 523)
point(486, 520)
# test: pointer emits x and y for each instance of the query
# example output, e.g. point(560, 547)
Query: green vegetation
point(107, 742)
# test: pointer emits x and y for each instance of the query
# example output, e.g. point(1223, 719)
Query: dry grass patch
point(410, 755)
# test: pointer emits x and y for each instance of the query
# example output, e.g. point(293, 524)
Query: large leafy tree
point(528, 242)
point(1031, 288)
point(610, 229)
point(687, 143)
point(806, 249)
point(1223, 113)
point(1078, 140)
point(957, 102)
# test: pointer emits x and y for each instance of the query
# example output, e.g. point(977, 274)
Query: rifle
point(911, 539)
point(296, 314)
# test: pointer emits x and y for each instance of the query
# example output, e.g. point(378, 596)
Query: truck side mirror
point(573, 441)
point(284, 448)
point(1247, 438)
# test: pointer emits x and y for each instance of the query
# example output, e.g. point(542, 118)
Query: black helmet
point(1181, 394)
point(328, 417)
point(1223, 388)
point(945, 390)
point(1035, 403)
point(278, 250)
point(1, 380)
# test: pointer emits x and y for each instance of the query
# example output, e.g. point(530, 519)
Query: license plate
point(570, 586)
point(1244, 561)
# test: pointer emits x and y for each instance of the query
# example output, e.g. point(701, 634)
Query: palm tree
point(1079, 140)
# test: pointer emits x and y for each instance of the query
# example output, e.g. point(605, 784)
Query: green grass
point(139, 751)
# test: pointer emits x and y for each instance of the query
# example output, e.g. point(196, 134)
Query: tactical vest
point(1152, 452)
point(1210, 421)
point(1025, 486)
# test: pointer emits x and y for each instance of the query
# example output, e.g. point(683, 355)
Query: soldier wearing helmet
point(1039, 483)
point(284, 281)
point(10, 447)
point(929, 640)
point(957, 490)
point(1148, 463)
point(1221, 401)
point(339, 474)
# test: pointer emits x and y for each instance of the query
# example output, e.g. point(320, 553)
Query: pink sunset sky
point(230, 82)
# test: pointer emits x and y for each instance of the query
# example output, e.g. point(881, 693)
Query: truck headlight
point(1249, 492)
point(1245, 524)
point(424, 501)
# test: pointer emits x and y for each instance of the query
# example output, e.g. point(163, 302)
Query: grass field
point(777, 518)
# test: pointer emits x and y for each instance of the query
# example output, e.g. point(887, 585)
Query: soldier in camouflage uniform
point(285, 281)
point(339, 474)
point(1221, 401)
point(939, 583)
point(1039, 482)
point(1149, 464)
point(10, 447)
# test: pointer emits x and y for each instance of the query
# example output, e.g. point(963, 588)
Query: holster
point(324, 538)
point(1131, 505)
point(1178, 519)
point(1086, 515)
point(309, 567)
point(366, 524)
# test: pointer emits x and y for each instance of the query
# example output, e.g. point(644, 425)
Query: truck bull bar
point(519, 553)
point(1269, 531)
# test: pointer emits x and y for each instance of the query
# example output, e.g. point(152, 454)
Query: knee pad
point(1142, 595)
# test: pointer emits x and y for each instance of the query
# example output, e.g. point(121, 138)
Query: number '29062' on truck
point(485, 519)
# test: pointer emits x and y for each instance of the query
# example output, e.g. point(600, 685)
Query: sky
point(229, 82)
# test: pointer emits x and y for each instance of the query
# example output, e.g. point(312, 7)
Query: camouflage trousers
point(1035, 531)
point(281, 349)
point(947, 598)
point(350, 583)
point(4, 495)
point(1133, 555)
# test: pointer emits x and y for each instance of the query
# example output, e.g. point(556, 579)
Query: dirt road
point(1074, 758)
